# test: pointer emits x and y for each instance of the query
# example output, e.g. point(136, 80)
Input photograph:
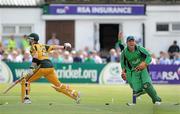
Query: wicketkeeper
point(134, 62)
point(39, 53)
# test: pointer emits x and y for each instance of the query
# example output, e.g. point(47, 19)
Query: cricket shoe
point(130, 104)
point(157, 103)
point(27, 100)
point(78, 98)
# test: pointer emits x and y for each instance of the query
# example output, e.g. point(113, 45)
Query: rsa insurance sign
point(91, 9)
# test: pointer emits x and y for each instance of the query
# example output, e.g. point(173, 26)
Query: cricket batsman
point(134, 62)
point(44, 67)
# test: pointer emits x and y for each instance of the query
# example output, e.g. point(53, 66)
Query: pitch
point(95, 99)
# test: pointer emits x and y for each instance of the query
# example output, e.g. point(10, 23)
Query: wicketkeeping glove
point(141, 66)
point(123, 75)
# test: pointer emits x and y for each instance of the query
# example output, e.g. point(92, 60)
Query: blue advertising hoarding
point(91, 9)
point(165, 74)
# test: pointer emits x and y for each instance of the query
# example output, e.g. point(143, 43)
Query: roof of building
point(23, 3)
point(151, 2)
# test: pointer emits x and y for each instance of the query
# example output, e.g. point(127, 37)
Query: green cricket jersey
point(130, 60)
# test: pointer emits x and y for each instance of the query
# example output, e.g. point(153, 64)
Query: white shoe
point(130, 104)
point(157, 103)
point(78, 98)
point(27, 101)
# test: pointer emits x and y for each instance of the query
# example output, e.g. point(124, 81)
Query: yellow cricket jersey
point(39, 53)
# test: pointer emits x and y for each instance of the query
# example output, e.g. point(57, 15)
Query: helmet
point(34, 36)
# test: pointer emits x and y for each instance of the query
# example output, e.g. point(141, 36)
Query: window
point(9, 29)
point(17, 30)
point(175, 26)
point(25, 29)
point(162, 27)
point(168, 27)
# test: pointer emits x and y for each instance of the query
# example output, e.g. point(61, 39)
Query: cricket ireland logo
point(5, 73)
point(111, 74)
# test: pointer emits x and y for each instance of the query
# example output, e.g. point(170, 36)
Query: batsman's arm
point(54, 47)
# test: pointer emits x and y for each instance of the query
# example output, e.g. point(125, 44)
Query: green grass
point(93, 97)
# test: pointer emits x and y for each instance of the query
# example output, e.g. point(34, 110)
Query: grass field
point(45, 100)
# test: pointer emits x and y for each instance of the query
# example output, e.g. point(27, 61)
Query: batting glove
point(67, 45)
point(30, 72)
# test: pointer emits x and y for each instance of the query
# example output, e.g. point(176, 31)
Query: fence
point(91, 73)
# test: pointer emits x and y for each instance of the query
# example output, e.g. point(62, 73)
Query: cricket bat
point(19, 80)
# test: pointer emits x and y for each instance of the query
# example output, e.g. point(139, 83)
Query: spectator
point(53, 40)
point(5, 57)
point(113, 56)
point(67, 57)
point(56, 58)
point(1, 49)
point(11, 43)
point(173, 49)
point(27, 56)
point(176, 60)
point(76, 56)
point(13, 57)
point(153, 59)
point(86, 49)
point(24, 43)
point(83, 55)
point(164, 59)
point(96, 57)
point(89, 58)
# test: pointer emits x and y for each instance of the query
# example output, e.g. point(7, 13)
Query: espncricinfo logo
point(79, 73)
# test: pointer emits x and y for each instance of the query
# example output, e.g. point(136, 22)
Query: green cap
point(130, 38)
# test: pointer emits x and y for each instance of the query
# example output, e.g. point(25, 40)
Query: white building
point(157, 28)
point(19, 18)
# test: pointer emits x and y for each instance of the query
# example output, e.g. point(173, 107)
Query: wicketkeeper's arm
point(148, 55)
point(122, 60)
point(146, 61)
point(123, 74)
